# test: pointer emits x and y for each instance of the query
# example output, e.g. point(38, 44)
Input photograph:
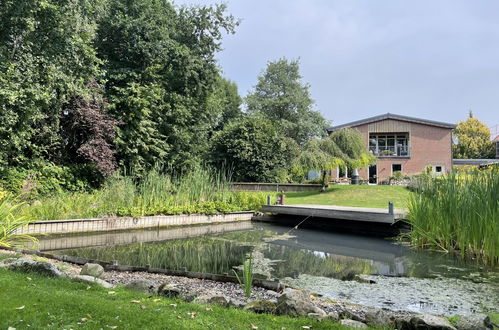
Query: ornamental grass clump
point(458, 212)
point(11, 223)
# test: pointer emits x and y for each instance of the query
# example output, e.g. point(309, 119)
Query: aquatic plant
point(10, 224)
point(458, 212)
point(197, 191)
point(247, 281)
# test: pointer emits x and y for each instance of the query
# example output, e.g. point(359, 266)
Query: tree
point(46, 58)
point(474, 139)
point(253, 149)
point(281, 97)
point(225, 102)
point(343, 147)
point(161, 76)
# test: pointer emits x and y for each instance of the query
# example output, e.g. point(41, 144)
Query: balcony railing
point(399, 151)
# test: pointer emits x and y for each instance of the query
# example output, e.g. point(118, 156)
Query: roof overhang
point(394, 117)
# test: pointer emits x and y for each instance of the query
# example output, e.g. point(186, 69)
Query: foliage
point(161, 78)
point(343, 147)
point(10, 224)
point(474, 140)
point(253, 149)
point(88, 132)
point(458, 212)
point(45, 58)
point(40, 178)
point(247, 281)
point(197, 191)
point(281, 97)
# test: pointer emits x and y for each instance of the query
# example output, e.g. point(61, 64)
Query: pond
point(320, 261)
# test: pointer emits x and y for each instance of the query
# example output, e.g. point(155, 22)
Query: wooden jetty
point(364, 214)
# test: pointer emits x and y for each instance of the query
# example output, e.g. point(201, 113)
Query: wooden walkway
point(339, 212)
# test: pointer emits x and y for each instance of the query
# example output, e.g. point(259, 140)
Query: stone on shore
point(169, 290)
point(474, 322)
point(40, 267)
point(92, 280)
point(296, 303)
point(144, 286)
point(218, 300)
point(427, 322)
point(94, 270)
point(261, 306)
point(353, 324)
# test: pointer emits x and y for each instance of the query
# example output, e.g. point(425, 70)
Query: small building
point(405, 144)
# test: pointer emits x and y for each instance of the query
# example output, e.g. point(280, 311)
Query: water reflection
point(278, 255)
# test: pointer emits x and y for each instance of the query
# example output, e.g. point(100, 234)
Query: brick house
point(404, 144)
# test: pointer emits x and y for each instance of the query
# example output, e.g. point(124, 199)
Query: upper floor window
point(389, 145)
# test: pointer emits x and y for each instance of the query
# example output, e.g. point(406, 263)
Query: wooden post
point(390, 208)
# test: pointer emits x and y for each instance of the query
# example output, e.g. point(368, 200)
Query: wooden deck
point(339, 212)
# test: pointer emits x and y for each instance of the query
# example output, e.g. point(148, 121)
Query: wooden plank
point(337, 212)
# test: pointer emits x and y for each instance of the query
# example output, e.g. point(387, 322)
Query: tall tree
point(161, 73)
point(473, 139)
point(283, 98)
point(46, 57)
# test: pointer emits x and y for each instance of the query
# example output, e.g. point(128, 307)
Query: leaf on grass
point(11, 328)
point(193, 314)
point(179, 317)
point(143, 306)
point(135, 301)
point(84, 319)
point(112, 326)
point(306, 327)
point(209, 308)
point(174, 305)
point(253, 326)
point(29, 278)
point(111, 292)
point(156, 300)
point(21, 307)
point(88, 287)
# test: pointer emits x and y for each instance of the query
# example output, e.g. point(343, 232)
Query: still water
point(321, 261)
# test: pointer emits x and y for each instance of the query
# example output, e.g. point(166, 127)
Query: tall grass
point(459, 213)
point(197, 191)
point(11, 223)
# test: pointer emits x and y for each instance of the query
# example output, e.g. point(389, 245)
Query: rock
point(430, 322)
point(353, 324)
point(212, 300)
point(41, 267)
point(474, 322)
point(189, 296)
point(377, 317)
point(261, 306)
point(236, 303)
point(333, 316)
point(94, 270)
point(145, 286)
point(297, 303)
point(169, 290)
point(92, 280)
point(8, 261)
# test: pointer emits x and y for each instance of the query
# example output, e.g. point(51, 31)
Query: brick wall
point(429, 145)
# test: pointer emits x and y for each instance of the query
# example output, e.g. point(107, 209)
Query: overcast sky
point(432, 59)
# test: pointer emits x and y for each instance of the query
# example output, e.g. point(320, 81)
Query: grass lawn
point(30, 301)
point(353, 195)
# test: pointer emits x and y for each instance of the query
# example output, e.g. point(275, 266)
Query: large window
point(389, 145)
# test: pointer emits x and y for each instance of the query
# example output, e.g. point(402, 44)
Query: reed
point(458, 213)
point(247, 281)
point(196, 191)
point(10, 223)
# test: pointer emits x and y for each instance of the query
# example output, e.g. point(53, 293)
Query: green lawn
point(353, 195)
point(30, 301)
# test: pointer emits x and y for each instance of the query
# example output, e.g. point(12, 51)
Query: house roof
point(392, 116)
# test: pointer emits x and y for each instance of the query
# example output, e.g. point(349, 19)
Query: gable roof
point(392, 116)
